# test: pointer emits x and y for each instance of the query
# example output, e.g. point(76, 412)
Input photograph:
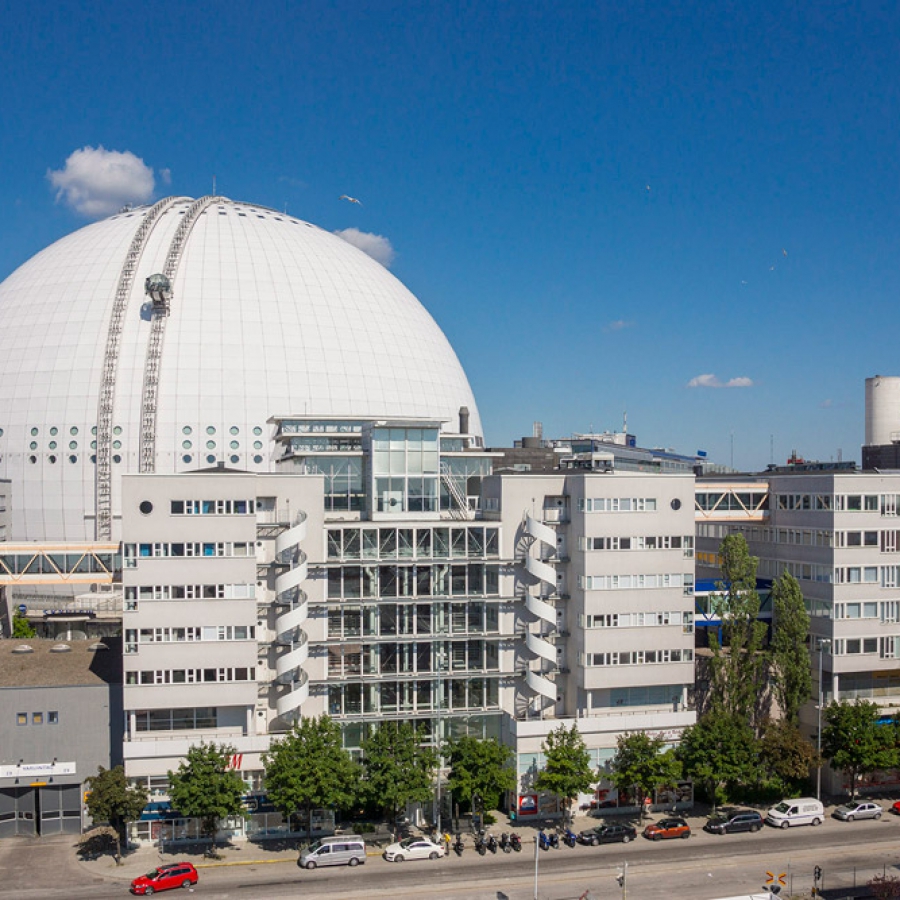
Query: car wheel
point(310, 865)
point(399, 857)
point(686, 835)
point(785, 824)
point(816, 822)
point(849, 819)
point(186, 883)
point(595, 842)
point(657, 837)
point(626, 838)
point(754, 828)
point(353, 862)
point(878, 815)
point(148, 891)
point(433, 855)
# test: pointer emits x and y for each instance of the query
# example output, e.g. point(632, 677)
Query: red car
point(667, 828)
point(175, 875)
point(896, 808)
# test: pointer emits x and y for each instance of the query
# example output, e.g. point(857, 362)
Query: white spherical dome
point(268, 316)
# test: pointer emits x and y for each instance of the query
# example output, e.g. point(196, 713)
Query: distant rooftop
point(48, 664)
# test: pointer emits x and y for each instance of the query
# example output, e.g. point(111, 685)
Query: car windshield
point(782, 807)
point(314, 846)
point(846, 808)
point(717, 820)
point(153, 874)
point(406, 843)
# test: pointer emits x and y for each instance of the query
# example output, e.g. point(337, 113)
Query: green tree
point(398, 769)
point(784, 754)
point(791, 671)
point(309, 768)
point(112, 799)
point(480, 768)
point(22, 627)
point(205, 787)
point(736, 672)
point(854, 741)
point(643, 761)
point(720, 749)
point(567, 769)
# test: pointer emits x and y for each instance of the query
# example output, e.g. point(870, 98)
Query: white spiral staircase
point(540, 635)
point(289, 622)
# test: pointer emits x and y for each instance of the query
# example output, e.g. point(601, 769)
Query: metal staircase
point(106, 405)
point(461, 508)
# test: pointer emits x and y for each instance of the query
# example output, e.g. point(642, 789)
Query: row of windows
point(637, 619)
point(773, 568)
point(117, 458)
point(731, 500)
point(617, 504)
point(390, 619)
point(179, 719)
point(420, 695)
point(439, 580)
point(651, 542)
point(161, 550)
point(134, 636)
point(190, 676)
point(352, 660)
point(637, 657)
point(38, 718)
point(885, 610)
point(836, 502)
point(637, 582)
point(135, 593)
point(212, 507)
point(412, 543)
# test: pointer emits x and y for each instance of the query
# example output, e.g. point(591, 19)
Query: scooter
point(515, 842)
point(492, 843)
point(554, 840)
point(480, 843)
point(543, 840)
point(505, 845)
point(570, 839)
point(458, 845)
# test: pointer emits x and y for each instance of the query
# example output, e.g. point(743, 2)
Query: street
point(702, 868)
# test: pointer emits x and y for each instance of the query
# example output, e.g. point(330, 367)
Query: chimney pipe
point(464, 420)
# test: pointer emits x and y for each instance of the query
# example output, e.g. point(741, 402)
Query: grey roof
point(46, 667)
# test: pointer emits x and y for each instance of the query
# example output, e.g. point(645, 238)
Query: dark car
point(607, 834)
point(744, 820)
point(174, 875)
point(667, 828)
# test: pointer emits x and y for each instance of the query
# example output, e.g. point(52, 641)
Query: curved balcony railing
point(289, 702)
point(542, 686)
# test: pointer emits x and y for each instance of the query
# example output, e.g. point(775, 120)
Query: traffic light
point(817, 874)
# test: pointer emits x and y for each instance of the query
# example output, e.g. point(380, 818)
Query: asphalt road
point(701, 868)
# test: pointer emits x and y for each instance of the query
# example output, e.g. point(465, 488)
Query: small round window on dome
point(210, 458)
point(186, 445)
point(52, 445)
point(93, 445)
point(117, 458)
point(234, 429)
point(32, 459)
point(117, 445)
point(34, 431)
point(187, 430)
point(93, 429)
point(146, 507)
point(51, 458)
point(257, 459)
point(210, 429)
point(1, 432)
point(210, 445)
point(117, 429)
point(73, 430)
point(54, 431)
point(257, 445)
point(73, 445)
point(257, 430)
point(186, 458)
point(93, 457)
point(32, 445)
point(235, 445)
point(73, 458)
point(235, 458)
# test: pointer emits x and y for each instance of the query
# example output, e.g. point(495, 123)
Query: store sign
point(37, 770)
point(528, 805)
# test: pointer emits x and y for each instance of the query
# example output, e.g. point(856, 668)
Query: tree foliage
point(206, 787)
point(737, 664)
point(718, 750)
point(854, 741)
point(643, 761)
point(112, 799)
point(397, 767)
point(480, 768)
point(567, 771)
point(791, 672)
point(309, 768)
point(22, 628)
point(784, 754)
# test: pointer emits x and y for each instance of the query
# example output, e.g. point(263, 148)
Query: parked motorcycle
point(505, 845)
point(480, 843)
point(458, 845)
point(515, 842)
point(554, 840)
point(570, 839)
point(543, 839)
point(492, 843)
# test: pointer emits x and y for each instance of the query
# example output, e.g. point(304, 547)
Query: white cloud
point(97, 182)
point(165, 176)
point(376, 245)
point(827, 404)
point(618, 325)
point(711, 381)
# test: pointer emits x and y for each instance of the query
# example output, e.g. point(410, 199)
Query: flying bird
point(351, 199)
point(784, 251)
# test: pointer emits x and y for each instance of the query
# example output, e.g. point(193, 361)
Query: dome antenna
point(214, 185)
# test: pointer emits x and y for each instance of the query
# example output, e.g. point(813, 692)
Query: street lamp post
point(823, 643)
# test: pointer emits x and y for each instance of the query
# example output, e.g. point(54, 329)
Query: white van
point(805, 811)
point(346, 850)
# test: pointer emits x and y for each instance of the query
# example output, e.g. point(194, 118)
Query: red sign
point(528, 805)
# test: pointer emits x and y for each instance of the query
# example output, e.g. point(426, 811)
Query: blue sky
point(688, 211)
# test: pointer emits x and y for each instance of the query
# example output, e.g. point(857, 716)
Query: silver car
point(864, 810)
